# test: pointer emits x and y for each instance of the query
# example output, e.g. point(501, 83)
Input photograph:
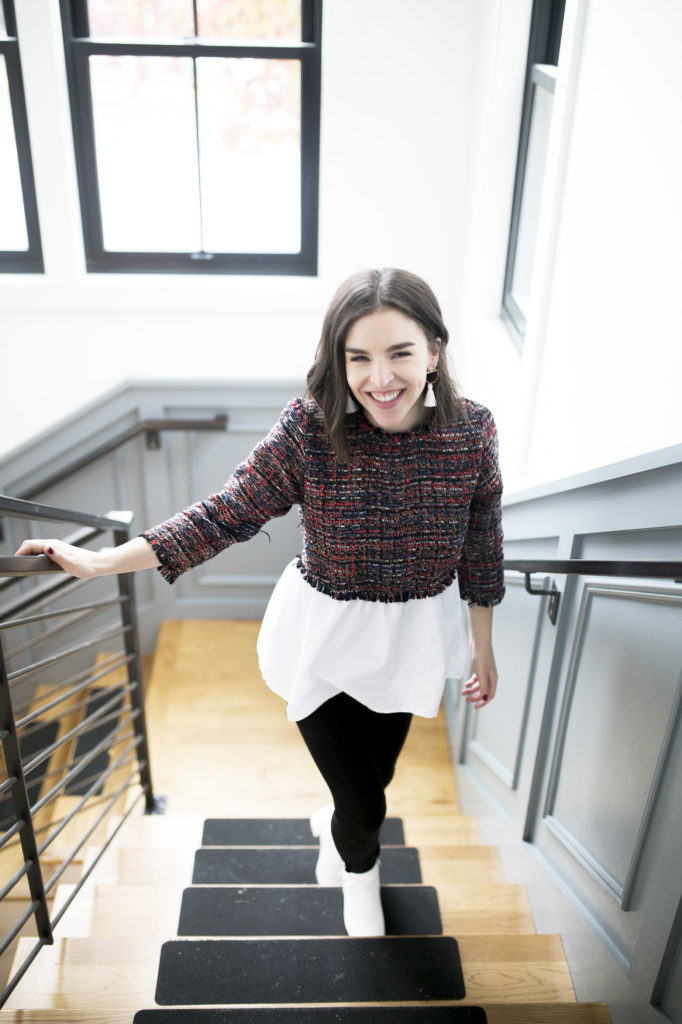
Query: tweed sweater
point(406, 515)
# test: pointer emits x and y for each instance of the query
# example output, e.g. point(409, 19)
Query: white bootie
point(329, 864)
point(362, 910)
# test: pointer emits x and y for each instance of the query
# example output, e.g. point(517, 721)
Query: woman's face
point(387, 359)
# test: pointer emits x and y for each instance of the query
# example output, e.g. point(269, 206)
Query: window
point(196, 128)
point(543, 55)
point(20, 248)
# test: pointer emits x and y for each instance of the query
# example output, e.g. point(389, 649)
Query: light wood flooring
point(221, 746)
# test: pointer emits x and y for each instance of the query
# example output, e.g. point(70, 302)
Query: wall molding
point(632, 591)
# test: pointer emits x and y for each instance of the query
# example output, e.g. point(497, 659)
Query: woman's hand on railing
point(86, 564)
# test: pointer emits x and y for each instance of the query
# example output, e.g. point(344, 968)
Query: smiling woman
point(400, 516)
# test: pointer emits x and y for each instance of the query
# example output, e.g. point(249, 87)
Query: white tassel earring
point(350, 404)
point(430, 398)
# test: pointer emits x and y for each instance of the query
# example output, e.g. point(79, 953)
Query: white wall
point(598, 380)
point(395, 166)
point(420, 117)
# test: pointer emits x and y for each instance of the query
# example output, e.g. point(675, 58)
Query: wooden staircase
point(105, 961)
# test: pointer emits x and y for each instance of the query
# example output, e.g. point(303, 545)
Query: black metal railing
point(72, 724)
point(587, 567)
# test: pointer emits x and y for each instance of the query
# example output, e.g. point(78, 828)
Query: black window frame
point(79, 47)
point(30, 260)
point(543, 48)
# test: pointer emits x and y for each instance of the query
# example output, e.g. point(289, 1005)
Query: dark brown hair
point(362, 294)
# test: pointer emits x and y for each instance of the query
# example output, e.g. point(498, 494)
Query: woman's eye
point(358, 359)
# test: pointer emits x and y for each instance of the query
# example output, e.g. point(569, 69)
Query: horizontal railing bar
point(11, 936)
point(218, 422)
point(85, 645)
point(58, 874)
point(99, 718)
point(49, 634)
point(37, 597)
point(22, 508)
point(27, 565)
point(21, 873)
point(68, 765)
point(78, 706)
point(89, 792)
point(78, 538)
point(61, 769)
point(30, 619)
point(587, 567)
point(21, 971)
point(91, 778)
point(8, 785)
point(84, 877)
point(11, 832)
point(86, 677)
point(40, 830)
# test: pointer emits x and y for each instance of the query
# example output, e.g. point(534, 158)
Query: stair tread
point(219, 864)
point(280, 832)
point(309, 970)
point(300, 910)
point(121, 972)
point(154, 910)
point(497, 1013)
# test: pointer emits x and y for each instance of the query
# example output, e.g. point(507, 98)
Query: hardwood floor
point(221, 746)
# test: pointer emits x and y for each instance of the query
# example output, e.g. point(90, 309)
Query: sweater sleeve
point(481, 566)
point(264, 486)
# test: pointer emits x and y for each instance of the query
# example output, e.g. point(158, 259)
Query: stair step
point(216, 865)
point(119, 909)
point(497, 1013)
point(77, 974)
point(140, 865)
point(459, 864)
point(280, 832)
point(486, 909)
point(319, 1015)
point(395, 969)
point(300, 910)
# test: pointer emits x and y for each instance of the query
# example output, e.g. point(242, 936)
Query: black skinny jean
point(356, 751)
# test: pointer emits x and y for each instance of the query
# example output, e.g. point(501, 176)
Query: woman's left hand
point(480, 689)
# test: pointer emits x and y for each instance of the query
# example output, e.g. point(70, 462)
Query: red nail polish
point(50, 551)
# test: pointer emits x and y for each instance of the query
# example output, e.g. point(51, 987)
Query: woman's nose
point(381, 373)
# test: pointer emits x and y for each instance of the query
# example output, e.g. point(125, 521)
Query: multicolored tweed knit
point(401, 519)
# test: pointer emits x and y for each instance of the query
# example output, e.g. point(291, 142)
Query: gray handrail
point(21, 508)
point(151, 427)
point(587, 567)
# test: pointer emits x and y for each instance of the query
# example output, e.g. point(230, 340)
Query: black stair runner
point(270, 936)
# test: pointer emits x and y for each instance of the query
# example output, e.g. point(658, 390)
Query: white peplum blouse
point(389, 656)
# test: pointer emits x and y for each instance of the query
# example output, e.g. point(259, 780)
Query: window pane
point(13, 237)
point(3, 27)
point(145, 141)
point(532, 195)
point(250, 19)
point(249, 128)
point(141, 18)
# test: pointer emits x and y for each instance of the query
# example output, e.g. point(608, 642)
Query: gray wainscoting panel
point(620, 703)
point(241, 578)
